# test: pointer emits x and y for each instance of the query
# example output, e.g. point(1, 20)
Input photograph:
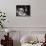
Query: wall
point(37, 18)
point(36, 22)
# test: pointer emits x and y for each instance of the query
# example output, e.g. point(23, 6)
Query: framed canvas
point(23, 10)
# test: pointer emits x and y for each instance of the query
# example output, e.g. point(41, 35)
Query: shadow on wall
point(16, 43)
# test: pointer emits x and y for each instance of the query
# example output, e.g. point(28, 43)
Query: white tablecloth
point(27, 44)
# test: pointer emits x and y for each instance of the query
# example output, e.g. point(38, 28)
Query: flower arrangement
point(2, 19)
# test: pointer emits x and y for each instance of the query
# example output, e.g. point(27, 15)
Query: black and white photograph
point(23, 10)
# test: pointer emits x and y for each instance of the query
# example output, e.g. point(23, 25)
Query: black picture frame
point(23, 10)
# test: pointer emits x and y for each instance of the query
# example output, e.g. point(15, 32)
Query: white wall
point(38, 13)
point(36, 22)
